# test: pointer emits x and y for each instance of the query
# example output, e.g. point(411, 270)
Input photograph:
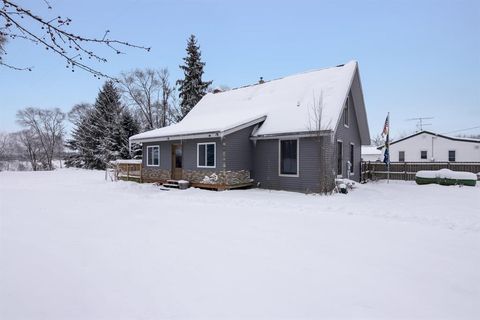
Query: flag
point(386, 127)
point(386, 132)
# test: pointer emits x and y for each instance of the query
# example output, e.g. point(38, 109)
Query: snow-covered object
point(371, 153)
point(446, 174)
point(126, 161)
point(286, 104)
point(213, 178)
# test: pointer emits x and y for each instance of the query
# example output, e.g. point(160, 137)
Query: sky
point(416, 58)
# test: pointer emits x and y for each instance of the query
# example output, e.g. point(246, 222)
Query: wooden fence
point(407, 170)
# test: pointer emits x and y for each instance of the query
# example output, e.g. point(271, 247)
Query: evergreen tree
point(130, 127)
point(99, 136)
point(192, 88)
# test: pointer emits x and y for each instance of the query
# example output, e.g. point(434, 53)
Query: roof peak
point(290, 75)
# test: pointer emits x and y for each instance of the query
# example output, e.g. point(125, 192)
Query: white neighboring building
point(426, 146)
point(371, 153)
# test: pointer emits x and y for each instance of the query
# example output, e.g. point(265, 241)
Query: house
point(372, 154)
point(295, 133)
point(426, 146)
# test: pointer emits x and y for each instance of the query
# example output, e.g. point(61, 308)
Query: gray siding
point(266, 166)
point(238, 150)
point(189, 149)
point(348, 135)
point(190, 154)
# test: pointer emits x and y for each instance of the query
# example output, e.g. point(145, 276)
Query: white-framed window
point(452, 155)
point(206, 155)
point(345, 114)
point(153, 156)
point(423, 154)
point(339, 158)
point(352, 159)
point(288, 157)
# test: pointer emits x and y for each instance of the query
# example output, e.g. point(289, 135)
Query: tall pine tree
point(101, 133)
point(192, 88)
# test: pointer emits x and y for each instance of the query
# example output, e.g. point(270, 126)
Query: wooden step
point(171, 185)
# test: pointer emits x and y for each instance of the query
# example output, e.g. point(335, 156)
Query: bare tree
point(47, 127)
point(52, 34)
point(318, 128)
point(378, 140)
point(150, 93)
point(4, 141)
point(30, 145)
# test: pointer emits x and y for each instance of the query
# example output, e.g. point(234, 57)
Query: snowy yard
point(73, 246)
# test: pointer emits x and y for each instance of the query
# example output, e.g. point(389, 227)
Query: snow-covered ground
point(73, 246)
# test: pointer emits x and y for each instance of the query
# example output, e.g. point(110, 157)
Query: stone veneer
point(224, 177)
point(150, 174)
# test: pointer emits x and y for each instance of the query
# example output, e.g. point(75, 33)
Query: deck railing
point(129, 169)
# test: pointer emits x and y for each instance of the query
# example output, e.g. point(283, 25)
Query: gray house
point(296, 133)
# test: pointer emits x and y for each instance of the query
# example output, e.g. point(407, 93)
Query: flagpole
point(388, 146)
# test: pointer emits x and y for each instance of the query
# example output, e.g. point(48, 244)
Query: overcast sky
point(416, 58)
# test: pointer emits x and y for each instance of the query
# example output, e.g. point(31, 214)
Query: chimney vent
point(261, 80)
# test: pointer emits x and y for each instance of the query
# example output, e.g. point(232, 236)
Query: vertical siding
point(238, 150)
point(165, 153)
point(348, 135)
point(190, 154)
point(266, 162)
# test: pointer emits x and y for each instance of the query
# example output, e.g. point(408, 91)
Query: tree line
point(139, 100)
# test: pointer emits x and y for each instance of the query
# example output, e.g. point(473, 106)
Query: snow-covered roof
point(371, 150)
point(284, 105)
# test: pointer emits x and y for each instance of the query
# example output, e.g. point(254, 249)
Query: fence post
point(128, 172)
point(405, 171)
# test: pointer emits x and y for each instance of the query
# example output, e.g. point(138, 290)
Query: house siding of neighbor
point(426, 146)
point(265, 135)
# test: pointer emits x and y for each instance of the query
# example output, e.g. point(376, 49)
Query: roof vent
point(217, 90)
point(340, 65)
point(261, 80)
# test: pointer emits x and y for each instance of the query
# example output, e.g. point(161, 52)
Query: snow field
point(73, 246)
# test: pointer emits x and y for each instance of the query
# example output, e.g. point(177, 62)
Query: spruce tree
point(192, 88)
point(130, 127)
point(99, 136)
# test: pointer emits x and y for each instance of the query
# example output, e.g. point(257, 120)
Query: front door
point(176, 161)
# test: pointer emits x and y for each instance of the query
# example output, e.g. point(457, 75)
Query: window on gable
point(289, 157)
point(423, 154)
point(352, 158)
point(153, 155)
point(206, 153)
point(401, 156)
point(339, 158)
point(345, 114)
point(451, 155)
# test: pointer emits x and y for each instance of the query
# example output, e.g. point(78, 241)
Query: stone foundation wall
point(155, 174)
point(217, 177)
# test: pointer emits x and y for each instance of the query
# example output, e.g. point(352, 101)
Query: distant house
point(426, 146)
point(371, 153)
point(295, 133)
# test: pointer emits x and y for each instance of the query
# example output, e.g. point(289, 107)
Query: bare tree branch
point(52, 34)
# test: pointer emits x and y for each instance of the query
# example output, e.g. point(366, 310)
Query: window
point(289, 157)
point(345, 114)
point(153, 155)
point(339, 158)
point(401, 156)
point(206, 155)
point(451, 155)
point(423, 154)
point(352, 158)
